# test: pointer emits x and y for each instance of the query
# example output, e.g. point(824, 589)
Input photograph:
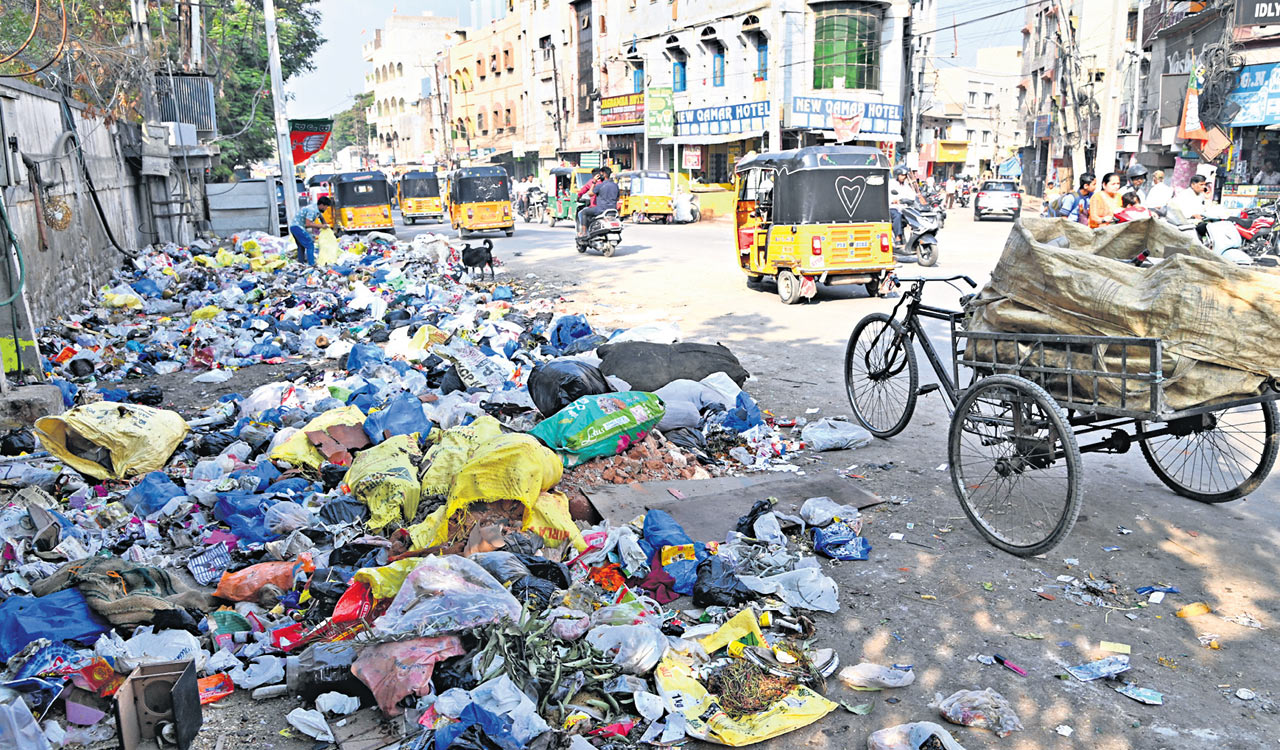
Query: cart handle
point(972, 284)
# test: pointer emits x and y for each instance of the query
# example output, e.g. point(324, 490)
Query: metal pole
point(1135, 110)
point(282, 118)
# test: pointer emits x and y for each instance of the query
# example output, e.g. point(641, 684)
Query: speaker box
point(153, 695)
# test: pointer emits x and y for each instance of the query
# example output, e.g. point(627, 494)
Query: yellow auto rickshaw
point(562, 205)
point(419, 194)
point(815, 215)
point(480, 199)
point(645, 195)
point(361, 202)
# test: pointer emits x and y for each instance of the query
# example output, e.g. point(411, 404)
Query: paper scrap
point(896, 537)
point(1156, 598)
point(1065, 730)
point(1115, 648)
point(1108, 667)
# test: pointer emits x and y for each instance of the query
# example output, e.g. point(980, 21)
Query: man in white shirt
point(900, 194)
point(950, 188)
point(1269, 174)
point(1189, 204)
point(1159, 195)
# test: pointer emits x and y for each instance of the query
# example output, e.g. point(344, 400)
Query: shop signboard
point(660, 112)
point(1257, 12)
point(622, 111)
point(1257, 92)
point(723, 120)
point(691, 157)
point(876, 120)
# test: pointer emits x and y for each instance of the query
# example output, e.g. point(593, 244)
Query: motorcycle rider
point(900, 194)
point(604, 193)
point(1137, 180)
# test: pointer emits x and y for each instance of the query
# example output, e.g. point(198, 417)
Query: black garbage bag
point(326, 587)
point(503, 566)
point(718, 586)
point(331, 476)
point(534, 591)
point(354, 555)
point(648, 367)
point(549, 570)
point(344, 509)
point(747, 524)
point(16, 442)
point(452, 382)
point(212, 443)
point(453, 673)
point(556, 384)
point(151, 395)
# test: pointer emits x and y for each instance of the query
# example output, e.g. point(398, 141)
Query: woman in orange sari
point(1106, 202)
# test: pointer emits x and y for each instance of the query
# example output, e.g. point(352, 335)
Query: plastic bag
point(549, 518)
point(244, 584)
point(326, 248)
point(840, 541)
point(568, 624)
point(337, 704)
point(556, 384)
point(148, 647)
point(60, 616)
point(500, 696)
point(637, 649)
point(867, 675)
point(445, 595)
point(403, 415)
point(19, 729)
point(983, 709)
point(767, 528)
point(503, 566)
point(744, 415)
point(803, 588)
point(507, 467)
point(911, 737)
point(311, 723)
point(110, 440)
point(596, 426)
point(151, 494)
point(286, 517)
point(718, 586)
point(834, 435)
point(455, 446)
point(385, 478)
point(264, 670)
point(677, 553)
point(648, 367)
point(401, 668)
point(820, 511)
point(572, 334)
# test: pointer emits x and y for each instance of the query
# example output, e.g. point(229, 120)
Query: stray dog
point(478, 257)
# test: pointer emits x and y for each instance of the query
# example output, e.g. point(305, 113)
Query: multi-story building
point(402, 73)
point(558, 126)
point(973, 126)
point(488, 96)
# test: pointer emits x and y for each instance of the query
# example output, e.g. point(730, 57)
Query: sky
point(339, 68)
point(348, 24)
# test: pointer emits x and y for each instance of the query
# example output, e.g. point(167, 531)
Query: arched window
point(399, 70)
point(497, 121)
point(401, 105)
point(480, 123)
point(379, 109)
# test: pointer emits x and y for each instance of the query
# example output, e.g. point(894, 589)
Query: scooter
point(920, 227)
point(535, 206)
point(603, 235)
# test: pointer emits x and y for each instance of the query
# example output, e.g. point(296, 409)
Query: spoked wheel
point(1015, 464)
point(1215, 457)
point(880, 375)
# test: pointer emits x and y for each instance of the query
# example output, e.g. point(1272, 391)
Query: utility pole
point(1135, 111)
point(1109, 115)
point(282, 119)
point(446, 136)
point(555, 79)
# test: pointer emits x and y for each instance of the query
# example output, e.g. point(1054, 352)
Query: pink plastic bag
point(399, 668)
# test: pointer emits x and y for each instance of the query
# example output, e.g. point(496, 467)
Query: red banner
point(307, 137)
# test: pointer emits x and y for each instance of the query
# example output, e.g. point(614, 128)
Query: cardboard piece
point(156, 694)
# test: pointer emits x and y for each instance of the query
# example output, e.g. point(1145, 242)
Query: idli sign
point(724, 120)
point(877, 121)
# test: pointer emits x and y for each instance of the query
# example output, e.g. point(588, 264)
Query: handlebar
point(961, 277)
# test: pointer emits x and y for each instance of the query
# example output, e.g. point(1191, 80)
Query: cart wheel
point(1015, 464)
point(788, 287)
point(880, 375)
point(1214, 457)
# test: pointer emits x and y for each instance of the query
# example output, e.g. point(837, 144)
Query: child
point(1130, 209)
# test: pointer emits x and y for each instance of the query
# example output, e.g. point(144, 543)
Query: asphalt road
point(1223, 555)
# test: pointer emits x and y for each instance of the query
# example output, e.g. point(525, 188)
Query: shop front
point(854, 122)
point(622, 125)
point(1248, 181)
point(943, 159)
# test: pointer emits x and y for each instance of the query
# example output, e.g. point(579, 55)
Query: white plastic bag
point(446, 595)
point(834, 435)
point(867, 675)
point(821, 511)
point(18, 728)
point(265, 670)
point(637, 649)
point(310, 722)
point(767, 528)
point(337, 704)
point(148, 647)
point(285, 517)
point(911, 737)
point(984, 709)
point(803, 588)
point(500, 696)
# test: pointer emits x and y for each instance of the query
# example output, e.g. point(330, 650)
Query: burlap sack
point(1219, 323)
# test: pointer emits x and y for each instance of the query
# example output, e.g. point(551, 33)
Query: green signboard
point(590, 160)
point(660, 112)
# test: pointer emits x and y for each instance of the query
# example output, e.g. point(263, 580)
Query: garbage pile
point(381, 530)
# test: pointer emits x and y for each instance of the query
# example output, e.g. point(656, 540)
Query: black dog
point(478, 258)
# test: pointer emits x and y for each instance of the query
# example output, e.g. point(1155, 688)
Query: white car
point(997, 198)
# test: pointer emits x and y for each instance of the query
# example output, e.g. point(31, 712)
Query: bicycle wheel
point(1215, 457)
point(1015, 464)
point(880, 375)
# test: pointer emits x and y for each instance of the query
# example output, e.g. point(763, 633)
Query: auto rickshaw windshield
point(483, 189)
point(420, 187)
point(831, 196)
point(356, 194)
point(650, 185)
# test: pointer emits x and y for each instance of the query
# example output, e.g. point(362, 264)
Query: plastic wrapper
point(109, 440)
point(556, 384)
point(834, 435)
point(867, 675)
point(244, 584)
point(445, 595)
point(913, 736)
point(981, 709)
point(820, 511)
point(636, 649)
point(385, 478)
point(398, 669)
point(840, 541)
point(286, 517)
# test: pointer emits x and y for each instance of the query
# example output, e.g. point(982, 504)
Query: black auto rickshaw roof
point(487, 171)
point(816, 157)
point(419, 175)
point(346, 177)
point(316, 179)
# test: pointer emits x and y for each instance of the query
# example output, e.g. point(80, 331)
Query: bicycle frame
point(913, 298)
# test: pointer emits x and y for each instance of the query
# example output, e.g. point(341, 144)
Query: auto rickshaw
point(361, 202)
point(480, 199)
point(815, 215)
point(419, 194)
point(562, 204)
point(645, 195)
point(318, 185)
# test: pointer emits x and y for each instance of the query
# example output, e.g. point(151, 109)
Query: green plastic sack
point(385, 478)
point(603, 425)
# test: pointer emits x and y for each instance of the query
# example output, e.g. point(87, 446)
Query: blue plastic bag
point(572, 334)
point(362, 355)
point(69, 391)
point(146, 287)
point(403, 415)
point(661, 530)
point(496, 728)
point(62, 616)
point(840, 541)
point(245, 513)
point(151, 494)
point(745, 414)
point(501, 293)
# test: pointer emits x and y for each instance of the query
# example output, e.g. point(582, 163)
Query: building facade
point(489, 101)
point(972, 127)
point(402, 59)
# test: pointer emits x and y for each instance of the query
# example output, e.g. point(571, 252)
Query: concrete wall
point(79, 259)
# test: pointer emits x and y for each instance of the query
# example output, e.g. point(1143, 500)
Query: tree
point(350, 128)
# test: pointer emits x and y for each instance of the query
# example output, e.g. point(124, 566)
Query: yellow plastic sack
point(455, 447)
point(707, 721)
point(267, 263)
point(385, 478)
point(226, 258)
point(740, 626)
point(326, 248)
point(208, 312)
point(507, 467)
point(121, 300)
point(140, 439)
point(549, 518)
point(431, 531)
point(385, 581)
point(299, 451)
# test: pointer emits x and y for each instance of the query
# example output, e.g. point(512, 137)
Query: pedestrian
point(951, 187)
point(1075, 205)
point(1269, 175)
point(1159, 195)
point(306, 225)
point(604, 198)
point(1104, 203)
point(1189, 204)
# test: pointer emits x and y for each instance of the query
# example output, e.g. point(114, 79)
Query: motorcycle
point(962, 197)
point(1244, 239)
point(603, 235)
point(535, 206)
point(920, 225)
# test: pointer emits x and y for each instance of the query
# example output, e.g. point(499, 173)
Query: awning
point(1011, 167)
point(858, 137)
point(624, 130)
point(708, 140)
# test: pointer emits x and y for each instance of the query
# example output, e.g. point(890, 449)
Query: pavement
point(940, 594)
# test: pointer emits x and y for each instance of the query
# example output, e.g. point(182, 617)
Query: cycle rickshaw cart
point(1034, 402)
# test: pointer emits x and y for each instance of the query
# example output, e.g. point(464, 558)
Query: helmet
point(899, 171)
point(1137, 170)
